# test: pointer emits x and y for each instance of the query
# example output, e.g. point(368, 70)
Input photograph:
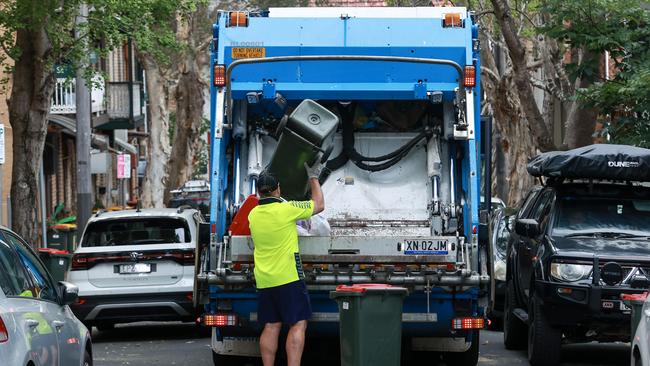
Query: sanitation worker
point(282, 294)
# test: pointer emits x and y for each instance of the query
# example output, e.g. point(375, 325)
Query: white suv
point(136, 265)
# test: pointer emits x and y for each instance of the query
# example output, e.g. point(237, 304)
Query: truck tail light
point(219, 75)
point(467, 323)
point(238, 19)
point(4, 333)
point(470, 76)
point(220, 320)
point(452, 20)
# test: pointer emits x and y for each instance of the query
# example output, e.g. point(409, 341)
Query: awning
point(69, 126)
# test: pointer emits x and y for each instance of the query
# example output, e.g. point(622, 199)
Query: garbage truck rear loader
point(389, 98)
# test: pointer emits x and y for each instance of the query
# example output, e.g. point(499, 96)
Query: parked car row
point(129, 266)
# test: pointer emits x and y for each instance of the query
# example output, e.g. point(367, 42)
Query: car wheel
point(88, 359)
point(467, 358)
point(514, 330)
point(544, 341)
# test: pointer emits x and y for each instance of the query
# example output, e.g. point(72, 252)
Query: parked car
point(641, 341)
point(36, 324)
point(136, 265)
point(577, 245)
point(501, 224)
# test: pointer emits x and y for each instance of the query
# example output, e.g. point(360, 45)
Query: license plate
point(615, 304)
point(135, 268)
point(425, 247)
point(248, 52)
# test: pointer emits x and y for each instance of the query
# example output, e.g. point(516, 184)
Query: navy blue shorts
point(287, 304)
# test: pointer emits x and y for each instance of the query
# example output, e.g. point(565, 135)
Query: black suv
point(578, 244)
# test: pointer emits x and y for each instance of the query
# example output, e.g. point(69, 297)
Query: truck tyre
point(467, 358)
point(544, 341)
point(514, 330)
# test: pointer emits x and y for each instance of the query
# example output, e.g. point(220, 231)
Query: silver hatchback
point(37, 326)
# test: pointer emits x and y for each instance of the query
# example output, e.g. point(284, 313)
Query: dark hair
point(267, 183)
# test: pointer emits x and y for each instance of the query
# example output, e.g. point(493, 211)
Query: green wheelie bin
point(57, 262)
point(370, 324)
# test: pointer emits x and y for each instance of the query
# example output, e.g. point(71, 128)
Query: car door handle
point(32, 323)
point(58, 324)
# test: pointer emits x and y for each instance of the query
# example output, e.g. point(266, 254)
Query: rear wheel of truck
point(514, 330)
point(467, 358)
point(544, 341)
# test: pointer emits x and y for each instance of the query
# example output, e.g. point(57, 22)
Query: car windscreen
point(150, 230)
point(600, 215)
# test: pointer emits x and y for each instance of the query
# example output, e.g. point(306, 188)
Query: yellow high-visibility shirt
point(274, 233)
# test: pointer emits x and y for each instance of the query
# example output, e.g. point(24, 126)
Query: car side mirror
point(69, 292)
point(527, 227)
point(204, 234)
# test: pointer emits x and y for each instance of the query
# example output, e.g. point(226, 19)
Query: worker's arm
point(313, 172)
point(316, 195)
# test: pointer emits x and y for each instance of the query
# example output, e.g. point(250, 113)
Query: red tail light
point(79, 262)
point(4, 333)
point(470, 76)
point(219, 75)
point(468, 323)
point(220, 320)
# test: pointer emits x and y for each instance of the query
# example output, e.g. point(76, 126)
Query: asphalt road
point(164, 344)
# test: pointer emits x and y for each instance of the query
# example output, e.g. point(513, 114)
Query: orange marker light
point(452, 20)
point(238, 19)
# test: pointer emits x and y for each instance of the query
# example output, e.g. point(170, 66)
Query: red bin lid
point(53, 251)
point(362, 287)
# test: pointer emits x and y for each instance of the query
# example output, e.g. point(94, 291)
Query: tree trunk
point(29, 105)
point(514, 145)
point(189, 116)
point(581, 122)
point(155, 179)
point(189, 96)
point(521, 77)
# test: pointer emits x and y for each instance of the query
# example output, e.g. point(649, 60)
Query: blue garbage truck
point(403, 167)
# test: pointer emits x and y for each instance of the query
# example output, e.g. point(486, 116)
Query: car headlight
point(500, 270)
point(570, 272)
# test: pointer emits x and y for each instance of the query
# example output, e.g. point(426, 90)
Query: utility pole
point(84, 185)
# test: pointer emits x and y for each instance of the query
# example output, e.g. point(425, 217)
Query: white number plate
point(135, 268)
point(425, 247)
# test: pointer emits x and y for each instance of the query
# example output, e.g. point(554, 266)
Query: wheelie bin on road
point(370, 324)
point(57, 262)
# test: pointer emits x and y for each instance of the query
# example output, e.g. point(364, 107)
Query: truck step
point(521, 314)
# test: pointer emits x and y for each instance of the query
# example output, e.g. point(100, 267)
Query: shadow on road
point(148, 331)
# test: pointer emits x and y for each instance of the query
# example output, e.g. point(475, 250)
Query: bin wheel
point(544, 341)
point(514, 330)
point(467, 358)
point(88, 359)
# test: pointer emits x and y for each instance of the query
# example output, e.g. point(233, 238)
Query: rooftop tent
point(600, 161)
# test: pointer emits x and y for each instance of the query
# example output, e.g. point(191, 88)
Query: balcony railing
point(64, 96)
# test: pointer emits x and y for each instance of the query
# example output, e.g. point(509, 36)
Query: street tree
point(39, 34)
point(619, 29)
